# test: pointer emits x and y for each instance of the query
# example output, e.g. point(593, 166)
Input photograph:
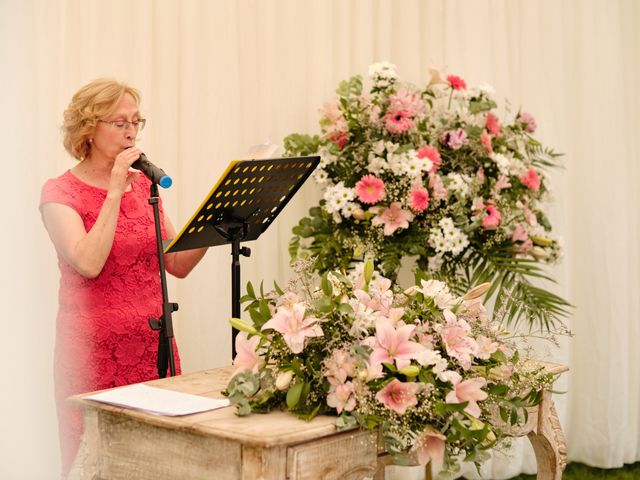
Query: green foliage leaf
point(293, 395)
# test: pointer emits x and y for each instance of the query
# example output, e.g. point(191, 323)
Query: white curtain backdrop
point(220, 76)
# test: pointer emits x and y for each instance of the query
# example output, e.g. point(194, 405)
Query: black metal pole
point(165, 323)
point(235, 290)
point(235, 235)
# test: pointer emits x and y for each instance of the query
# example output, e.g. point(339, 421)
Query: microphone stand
point(164, 324)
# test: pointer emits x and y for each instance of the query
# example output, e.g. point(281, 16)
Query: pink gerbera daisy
point(370, 189)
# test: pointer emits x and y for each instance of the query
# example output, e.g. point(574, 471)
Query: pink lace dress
point(103, 339)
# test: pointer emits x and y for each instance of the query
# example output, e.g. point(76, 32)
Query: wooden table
point(124, 444)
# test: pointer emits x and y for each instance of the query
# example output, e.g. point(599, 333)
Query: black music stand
point(244, 202)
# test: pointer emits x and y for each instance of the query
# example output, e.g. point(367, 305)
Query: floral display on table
point(432, 173)
point(438, 377)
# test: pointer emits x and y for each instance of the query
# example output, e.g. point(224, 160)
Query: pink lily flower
point(247, 357)
point(398, 396)
point(466, 391)
point(429, 447)
point(392, 218)
point(393, 344)
point(290, 322)
point(457, 342)
point(342, 397)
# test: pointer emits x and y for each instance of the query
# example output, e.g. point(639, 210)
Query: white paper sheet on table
point(158, 400)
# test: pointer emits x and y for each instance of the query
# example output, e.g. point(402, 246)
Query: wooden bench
point(124, 444)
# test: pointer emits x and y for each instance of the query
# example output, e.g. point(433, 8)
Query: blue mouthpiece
point(165, 182)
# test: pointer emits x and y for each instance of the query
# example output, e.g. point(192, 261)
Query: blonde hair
point(94, 101)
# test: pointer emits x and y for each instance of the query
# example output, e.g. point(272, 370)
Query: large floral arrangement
point(437, 376)
point(432, 173)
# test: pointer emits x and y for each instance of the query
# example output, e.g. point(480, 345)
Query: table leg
point(548, 441)
point(264, 463)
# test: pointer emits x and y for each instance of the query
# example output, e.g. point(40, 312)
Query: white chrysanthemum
point(459, 183)
point(326, 157)
point(446, 223)
point(517, 167)
point(487, 89)
point(440, 293)
point(448, 238)
point(502, 162)
point(348, 209)
point(337, 197)
point(320, 176)
point(383, 73)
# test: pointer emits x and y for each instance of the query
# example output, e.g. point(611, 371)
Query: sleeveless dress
point(103, 338)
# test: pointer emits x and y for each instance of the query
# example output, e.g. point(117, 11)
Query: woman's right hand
point(120, 177)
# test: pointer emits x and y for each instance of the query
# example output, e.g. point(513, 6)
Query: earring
point(91, 140)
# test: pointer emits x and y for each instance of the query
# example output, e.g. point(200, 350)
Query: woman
point(102, 227)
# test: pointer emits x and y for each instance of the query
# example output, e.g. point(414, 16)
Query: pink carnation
point(485, 140)
point(493, 124)
point(454, 139)
point(370, 189)
point(432, 154)
point(492, 219)
point(456, 82)
point(528, 122)
point(398, 396)
point(419, 199)
point(531, 179)
point(340, 139)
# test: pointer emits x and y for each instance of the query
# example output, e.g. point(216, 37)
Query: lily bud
point(410, 371)
point(477, 291)
point(491, 437)
point(284, 380)
point(358, 214)
point(476, 424)
point(542, 241)
point(411, 291)
point(538, 252)
point(243, 326)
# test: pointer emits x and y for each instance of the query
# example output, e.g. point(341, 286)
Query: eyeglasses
point(138, 125)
